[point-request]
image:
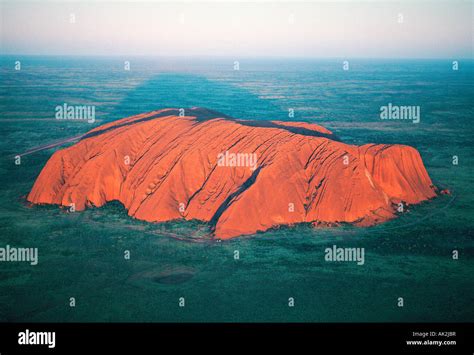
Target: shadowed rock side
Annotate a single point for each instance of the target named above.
(163, 167)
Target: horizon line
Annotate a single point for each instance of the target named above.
(234, 57)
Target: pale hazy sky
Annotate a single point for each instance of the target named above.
(430, 29)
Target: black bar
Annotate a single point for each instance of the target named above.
(317, 338)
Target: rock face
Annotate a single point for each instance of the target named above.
(239, 176)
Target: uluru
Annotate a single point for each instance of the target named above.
(239, 176)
